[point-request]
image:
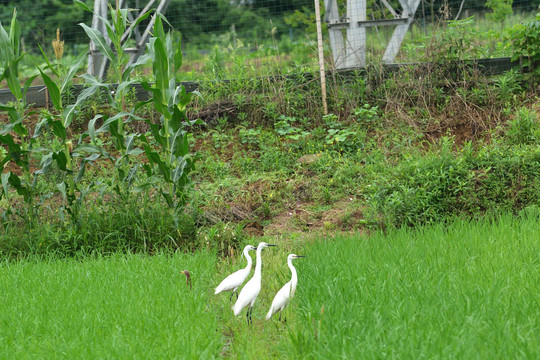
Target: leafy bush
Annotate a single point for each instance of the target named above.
(524, 128)
(525, 45)
(444, 184)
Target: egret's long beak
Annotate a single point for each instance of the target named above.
(300, 256)
(271, 245)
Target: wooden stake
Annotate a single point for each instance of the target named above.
(321, 55)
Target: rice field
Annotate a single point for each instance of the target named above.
(466, 290)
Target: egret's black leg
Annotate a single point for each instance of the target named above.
(250, 321)
(248, 315)
(230, 297)
(280, 316)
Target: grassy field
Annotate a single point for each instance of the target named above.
(122, 306)
(459, 290)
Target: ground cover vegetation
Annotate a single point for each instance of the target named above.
(402, 185)
(444, 290)
(425, 144)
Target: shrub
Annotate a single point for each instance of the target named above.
(525, 45)
(524, 128)
(443, 185)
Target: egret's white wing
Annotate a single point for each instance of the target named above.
(233, 281)
(280, 300)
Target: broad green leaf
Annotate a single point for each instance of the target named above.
(53, 89)
(179, 144)
(178, 56)
(81, 171)
(98, 39)
(6, 51)
(85, 94)
(45, 163)
(27, 84)
(177, 118)
(150, 49)
(158, 27)
(12, 112)
(67, 115)
(12, 79)
(178, 171)
(129, 142)
(72, 71)
(131, 176)
(15, 33)
(161, 66)
(143, 59)
(92, 127)
(58, 129)
(93, 81)
(113, 130)
(154, 158)
(168, 198)
(135, 152)
(13, 147)
(92, 157)
(83, 6)
(122, 87)
(61, 160)
(112, 120)
(49, 65)
(5, 183)
(62, 188)
(136, 23)
(155, 129)
(140, 104)
(88, 148)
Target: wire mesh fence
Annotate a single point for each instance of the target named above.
(280, 36)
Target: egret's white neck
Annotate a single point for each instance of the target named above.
(248, 258)
(294, 277)
(258, 264)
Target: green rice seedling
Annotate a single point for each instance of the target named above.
(123, 306)
(461, 289)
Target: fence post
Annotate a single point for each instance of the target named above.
(321, 55)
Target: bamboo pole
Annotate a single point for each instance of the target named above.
(321, 55)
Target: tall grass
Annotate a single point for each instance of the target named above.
(458, 290)
(124, 306)
(462, 290)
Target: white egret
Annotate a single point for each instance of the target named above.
(249, 293)
(285, 294)
(237, 278)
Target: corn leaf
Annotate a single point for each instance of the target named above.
(53, 89)
(98, 40)
(72, 71)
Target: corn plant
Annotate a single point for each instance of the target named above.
(16, 135)
(173, 161)
(65, 158)
(115, 52)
